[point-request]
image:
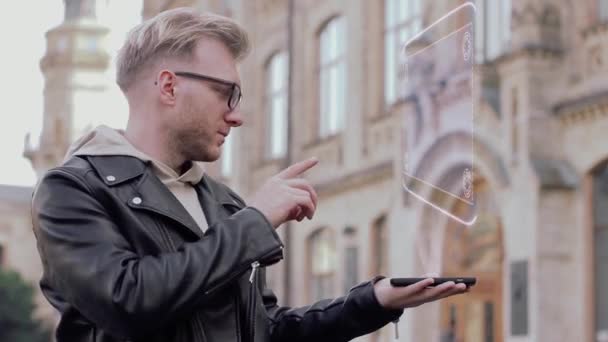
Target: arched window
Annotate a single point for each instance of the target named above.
(600, 240)
(323, 264)
(276, 105)
(332, 77)
(492, 28)
(402, 20)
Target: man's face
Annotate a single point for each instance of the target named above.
(202, 119)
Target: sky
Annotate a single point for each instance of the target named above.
(23, 25)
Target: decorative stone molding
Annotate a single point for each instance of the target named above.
(588, 108)
(536, 26)
(355, 180)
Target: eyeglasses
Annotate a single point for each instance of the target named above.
(235, 90)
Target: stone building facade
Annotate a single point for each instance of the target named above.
(539, 245)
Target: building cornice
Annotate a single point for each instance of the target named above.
(588, 107)
(532, 51)
(355, 180)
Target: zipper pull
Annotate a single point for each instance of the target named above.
(254, 269)
(396, 323)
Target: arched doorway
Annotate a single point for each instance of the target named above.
(474, 251)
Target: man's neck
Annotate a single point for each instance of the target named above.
(153, 143)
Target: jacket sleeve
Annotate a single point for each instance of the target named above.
(93, 267)
(341, 319)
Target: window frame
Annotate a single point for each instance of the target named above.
(316, 240)
(392, 31)
(271, 94)
(336, 63)
(483, 25)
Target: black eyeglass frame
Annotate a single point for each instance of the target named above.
(236, 94)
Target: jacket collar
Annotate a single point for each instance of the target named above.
(114, 170)
(148, 193)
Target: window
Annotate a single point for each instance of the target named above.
(600, 240)
(492, 29)
(379, 248)
(227, 155)
(276, 95)
(323, 264)
(602, 12)
(332, 76)
(402, 20)
(351, 259)
(379, 264)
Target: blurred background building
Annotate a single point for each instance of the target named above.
(323, 80)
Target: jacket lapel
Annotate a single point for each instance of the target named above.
(155, 197)
(147, 193)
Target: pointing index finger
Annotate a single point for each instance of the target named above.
(298, 168)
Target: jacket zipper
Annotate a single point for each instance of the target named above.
(252, 299)
(270, 256)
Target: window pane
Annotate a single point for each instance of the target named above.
(494, 38)
(506, 24)
(277, 72)
(332, 77)
(277, 106)
(278, 131)
(324, 97)
(389, 13)
(404, 13)
(380, 247)
(325, 45)
(351, 267)
(389, 70)
(227, 156)
(322, 264)
(403, 18)
(332, 117)
(603, 9)
(341, 96)
(416, 8)
(493, 28)
(479, 31)
(341, 37)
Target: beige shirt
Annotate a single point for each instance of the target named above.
(107, 141)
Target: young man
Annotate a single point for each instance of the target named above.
(138, 244)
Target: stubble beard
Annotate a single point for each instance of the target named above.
(192, 140)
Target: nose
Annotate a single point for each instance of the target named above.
(235, 117)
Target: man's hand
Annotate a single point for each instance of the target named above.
(286, 196)
(391, 297)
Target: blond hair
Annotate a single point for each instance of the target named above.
(174, 33)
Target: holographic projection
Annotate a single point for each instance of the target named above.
(438, 66)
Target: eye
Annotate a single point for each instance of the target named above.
(223, 91)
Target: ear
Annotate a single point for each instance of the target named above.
(167, 86)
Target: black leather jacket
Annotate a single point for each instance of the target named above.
(124, 261)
